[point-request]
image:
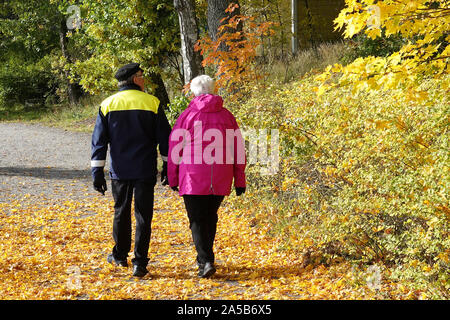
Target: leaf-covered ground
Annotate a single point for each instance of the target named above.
(56, 249)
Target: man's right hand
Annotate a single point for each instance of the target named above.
(164, 178)
(100, 183)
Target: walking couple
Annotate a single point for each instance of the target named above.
(134, 125)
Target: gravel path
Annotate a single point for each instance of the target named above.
(43, 162)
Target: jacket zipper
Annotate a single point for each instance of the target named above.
(212, 189)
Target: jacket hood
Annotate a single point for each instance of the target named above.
(207, 103)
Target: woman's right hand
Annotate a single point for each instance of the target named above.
(240, 190)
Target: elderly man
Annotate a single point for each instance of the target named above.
(133, 123)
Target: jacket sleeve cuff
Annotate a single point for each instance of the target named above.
(97, 163)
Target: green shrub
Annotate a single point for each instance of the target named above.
(24, 82)
(175, 108)
(364, 46)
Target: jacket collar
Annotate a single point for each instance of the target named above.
(130, 87)
(207, 103)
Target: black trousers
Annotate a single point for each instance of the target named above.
(202, 214)
(122, 191)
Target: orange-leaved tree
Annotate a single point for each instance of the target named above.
(234, 66)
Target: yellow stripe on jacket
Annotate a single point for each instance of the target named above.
(130, 100)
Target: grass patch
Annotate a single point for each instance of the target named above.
(80, 117)
(285, 71)
(20, 112)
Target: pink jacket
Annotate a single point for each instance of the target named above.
(206, 149)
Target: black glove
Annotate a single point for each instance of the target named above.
(239, 190)
(100, 182)
(174, 188)
(164, 178)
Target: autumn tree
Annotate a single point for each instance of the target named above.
(218, 15)
(423, 24)
(234, 65)
(33, 41)
(117, 32)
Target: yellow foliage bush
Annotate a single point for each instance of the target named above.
(365, 152)
(363, 177)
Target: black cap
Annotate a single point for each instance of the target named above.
(127, 70)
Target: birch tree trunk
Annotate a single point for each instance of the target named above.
(192, 60)
(73, 89)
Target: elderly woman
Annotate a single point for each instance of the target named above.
(206, 151)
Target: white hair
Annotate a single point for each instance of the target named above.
(202, 85)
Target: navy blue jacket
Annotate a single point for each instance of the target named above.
(133, 124)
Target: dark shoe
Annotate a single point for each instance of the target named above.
(201, 268)
(112, 260)
(139, 271)
(208, 270)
